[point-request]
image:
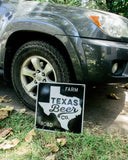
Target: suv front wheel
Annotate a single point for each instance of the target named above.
(34, 62)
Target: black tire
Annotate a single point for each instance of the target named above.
(36, 61)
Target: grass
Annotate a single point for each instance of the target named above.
(85, 146)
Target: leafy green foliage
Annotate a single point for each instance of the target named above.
(115, 6)
(118, 6)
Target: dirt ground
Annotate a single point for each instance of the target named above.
(110, 114)
(100, 110)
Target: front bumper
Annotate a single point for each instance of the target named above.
(101, 55)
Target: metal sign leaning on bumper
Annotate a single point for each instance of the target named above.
(60, 107)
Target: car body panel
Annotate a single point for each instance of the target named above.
(100, 55)
(72, 21)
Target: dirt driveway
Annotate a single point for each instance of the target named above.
(109, 114)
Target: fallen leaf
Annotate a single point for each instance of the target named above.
(53, 147)
(3, 114)
(22, 110)
(29, 136)
(51, 157)
(4, 132)
(9, 144)
(113, 96)
(24, 150)
(61, 141)
(126, 86)
(2, 139)
(8, 108)
(11, 133)
(4, 100)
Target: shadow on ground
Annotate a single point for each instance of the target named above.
(110, 114)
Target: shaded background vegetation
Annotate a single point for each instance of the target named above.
(115, 6)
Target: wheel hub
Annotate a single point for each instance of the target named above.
(40, 77)
(36, 69)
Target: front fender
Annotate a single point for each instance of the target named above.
(42, 22)
(76, 52)
(51, 26)
(62, 29)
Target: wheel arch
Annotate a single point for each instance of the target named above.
(18, 38)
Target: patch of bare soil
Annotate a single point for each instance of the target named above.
(106, 112)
